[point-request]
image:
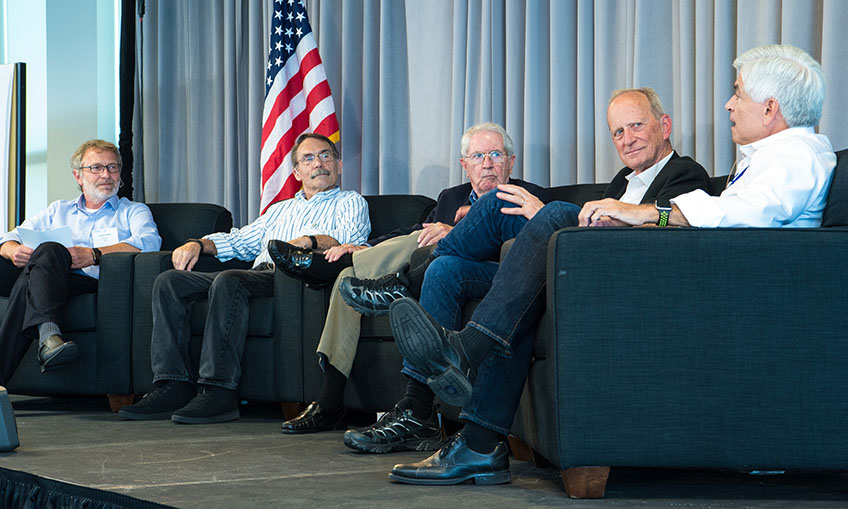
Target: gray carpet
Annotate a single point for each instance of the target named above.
(249, 463)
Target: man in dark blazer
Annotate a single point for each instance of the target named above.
(487, 159)
(640, 131)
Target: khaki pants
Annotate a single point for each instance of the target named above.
(341, 330)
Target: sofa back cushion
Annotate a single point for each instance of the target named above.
(578, 194)
(180, 221)
(836, 210)
(392, 211)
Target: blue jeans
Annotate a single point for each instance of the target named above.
(174, 294)
(511, 309)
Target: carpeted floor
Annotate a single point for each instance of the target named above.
(249, 463)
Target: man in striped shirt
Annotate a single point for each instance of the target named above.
(319, 216)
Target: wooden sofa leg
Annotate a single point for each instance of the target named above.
(585, 482)
(292, 409)
(520, 450)
(116, 401)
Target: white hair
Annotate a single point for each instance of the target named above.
(787, 74)
(489, 127)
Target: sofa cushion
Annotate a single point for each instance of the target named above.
(836, 210)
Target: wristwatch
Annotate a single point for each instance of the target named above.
(95, 255)
(664, 208)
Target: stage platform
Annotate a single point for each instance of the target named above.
(250, 463)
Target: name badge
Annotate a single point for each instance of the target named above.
(104, 237)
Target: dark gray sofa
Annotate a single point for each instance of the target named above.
(725, 350)
(276, 358)
(101, 323)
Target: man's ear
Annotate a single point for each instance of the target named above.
(665, 122)
(296, 174)
(771, 108)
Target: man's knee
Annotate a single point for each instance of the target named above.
(167, 282)
(51, 252)
(559, 213)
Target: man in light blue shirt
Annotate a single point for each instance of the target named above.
(99, 223)
(318, 217)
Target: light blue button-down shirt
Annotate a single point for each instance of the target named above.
(132, 221)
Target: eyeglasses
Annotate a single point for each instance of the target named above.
(478, 157)
(325, 157)
(97, 169)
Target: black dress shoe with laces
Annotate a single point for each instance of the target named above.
(433, 351)
(372, 297)
(306, 265)
(315, 419)
(397, 430)
(56, 352)
(455, 463)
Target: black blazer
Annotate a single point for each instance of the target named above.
(679, 176)
(449, 201)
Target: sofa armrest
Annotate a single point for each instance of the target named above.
(720, 348)
(114, 322)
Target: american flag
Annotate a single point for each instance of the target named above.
(297, 99)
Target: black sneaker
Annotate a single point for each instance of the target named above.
(165, 397)
(397, 430)
(372, 297)
(212, 404)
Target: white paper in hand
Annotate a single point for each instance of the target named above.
(32, 238)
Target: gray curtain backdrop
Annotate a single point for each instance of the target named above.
(408, 77)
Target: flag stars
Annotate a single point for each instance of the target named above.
(289, 32)
(278, 30)
(299, 32)
(278, 46)
(278, 14)
(288, 48)
(278, 62)
(269, 81)
(290, 16)
(300, 16)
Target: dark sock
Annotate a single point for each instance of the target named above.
(327, 271)
(332, 388)
(477, 345)
(418, 398)
(479, 439)
(413, 277)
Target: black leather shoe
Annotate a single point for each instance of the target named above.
(372, 297)
(455, 463)
(397, 430)
(306, 265)
(166, 397)
(56, 352)
(315, 419)
(433, 351)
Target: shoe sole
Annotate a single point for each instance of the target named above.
(421, 445)
(229, 416)
(63, 355)
(500, 477)
(131, 416)
(419, 342)
(345, 291)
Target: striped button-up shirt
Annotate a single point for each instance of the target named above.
(342, 215)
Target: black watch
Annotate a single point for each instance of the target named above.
(96, 254)
(663, 206)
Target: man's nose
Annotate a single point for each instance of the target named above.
(628, 137)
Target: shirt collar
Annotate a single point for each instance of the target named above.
(300, 195)
(112, 202)
(647, 176)
(749, 149)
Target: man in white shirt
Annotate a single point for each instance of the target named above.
(782, 181)
(785, 171)
(319, 216)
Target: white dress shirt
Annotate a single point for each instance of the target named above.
(781, 181)
(638, 184)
